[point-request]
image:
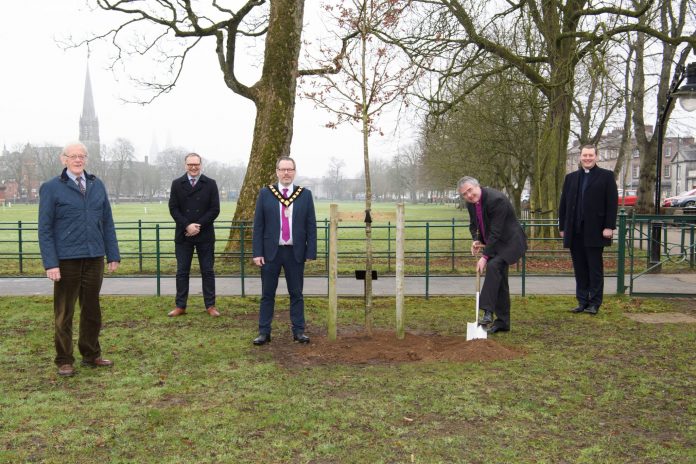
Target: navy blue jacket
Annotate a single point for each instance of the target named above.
(267, 226)
(73, 226)
(199, 204)
(600, 205)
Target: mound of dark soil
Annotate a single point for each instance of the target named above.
(355, 347)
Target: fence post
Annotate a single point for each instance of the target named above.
(427, 260)
(691, 247)
(326, 253)
(621, 258)
(140, 245)
(21, 257)
(157, 256)
(524, 264)
(453, 220)
(389, 245)
(333, 272)
(241, 257)
(400, 271)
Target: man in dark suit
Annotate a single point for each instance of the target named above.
(285, 236)
(194, 203)
(586, 220)
(499, 237)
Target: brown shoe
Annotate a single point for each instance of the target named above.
(177, 312)
(213, 311)
(66, 370)
(99, 362)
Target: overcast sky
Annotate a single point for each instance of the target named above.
(42, 85)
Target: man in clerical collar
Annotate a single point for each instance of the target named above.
(586, 220)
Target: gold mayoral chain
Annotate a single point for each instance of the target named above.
(286, 201)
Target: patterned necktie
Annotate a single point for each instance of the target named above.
(81, 186)
(285, 223)
(193, 182)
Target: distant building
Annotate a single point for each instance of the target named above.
(681, 170)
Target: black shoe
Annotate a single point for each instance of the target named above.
(592, 310)
(577, 310)
(487, 318)
(300, 338)
(262, 339)
(497, 328)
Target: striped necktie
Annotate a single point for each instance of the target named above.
(81, 186)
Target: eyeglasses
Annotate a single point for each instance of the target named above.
(285, 170)
(193, 165)
(78, 157)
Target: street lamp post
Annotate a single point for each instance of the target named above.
(687, 97)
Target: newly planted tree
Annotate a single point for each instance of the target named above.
(361, 76)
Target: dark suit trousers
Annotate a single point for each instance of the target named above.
(495, 294)
(80, 279)
(589, 272)
(206, 261)
(294, 278)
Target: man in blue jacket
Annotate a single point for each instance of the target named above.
(76, 231)
(285, 236)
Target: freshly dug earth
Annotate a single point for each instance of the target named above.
(356, 347)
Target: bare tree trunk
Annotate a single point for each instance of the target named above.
(646, 146)
(550, 167)
(368, 189)
(274, 97)
(625, 148)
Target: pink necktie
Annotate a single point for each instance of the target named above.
(193, 182)
(285, 224)
(479, 217)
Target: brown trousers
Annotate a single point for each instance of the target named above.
(79, 279)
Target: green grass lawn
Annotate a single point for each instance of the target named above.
(138, 232)
(437, 242)
(590, 390)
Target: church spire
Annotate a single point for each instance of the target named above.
(88, 100)
(89, 123)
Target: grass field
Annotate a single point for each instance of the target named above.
(444, 226)
(437, 242)
(601, 389)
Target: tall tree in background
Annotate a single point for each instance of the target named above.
(408, 164)
(169, 29)
(367, 76)
(598, 93)
(465, 33)
(121, 155)
(491, 135)
(671, 19)
(333, 179)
